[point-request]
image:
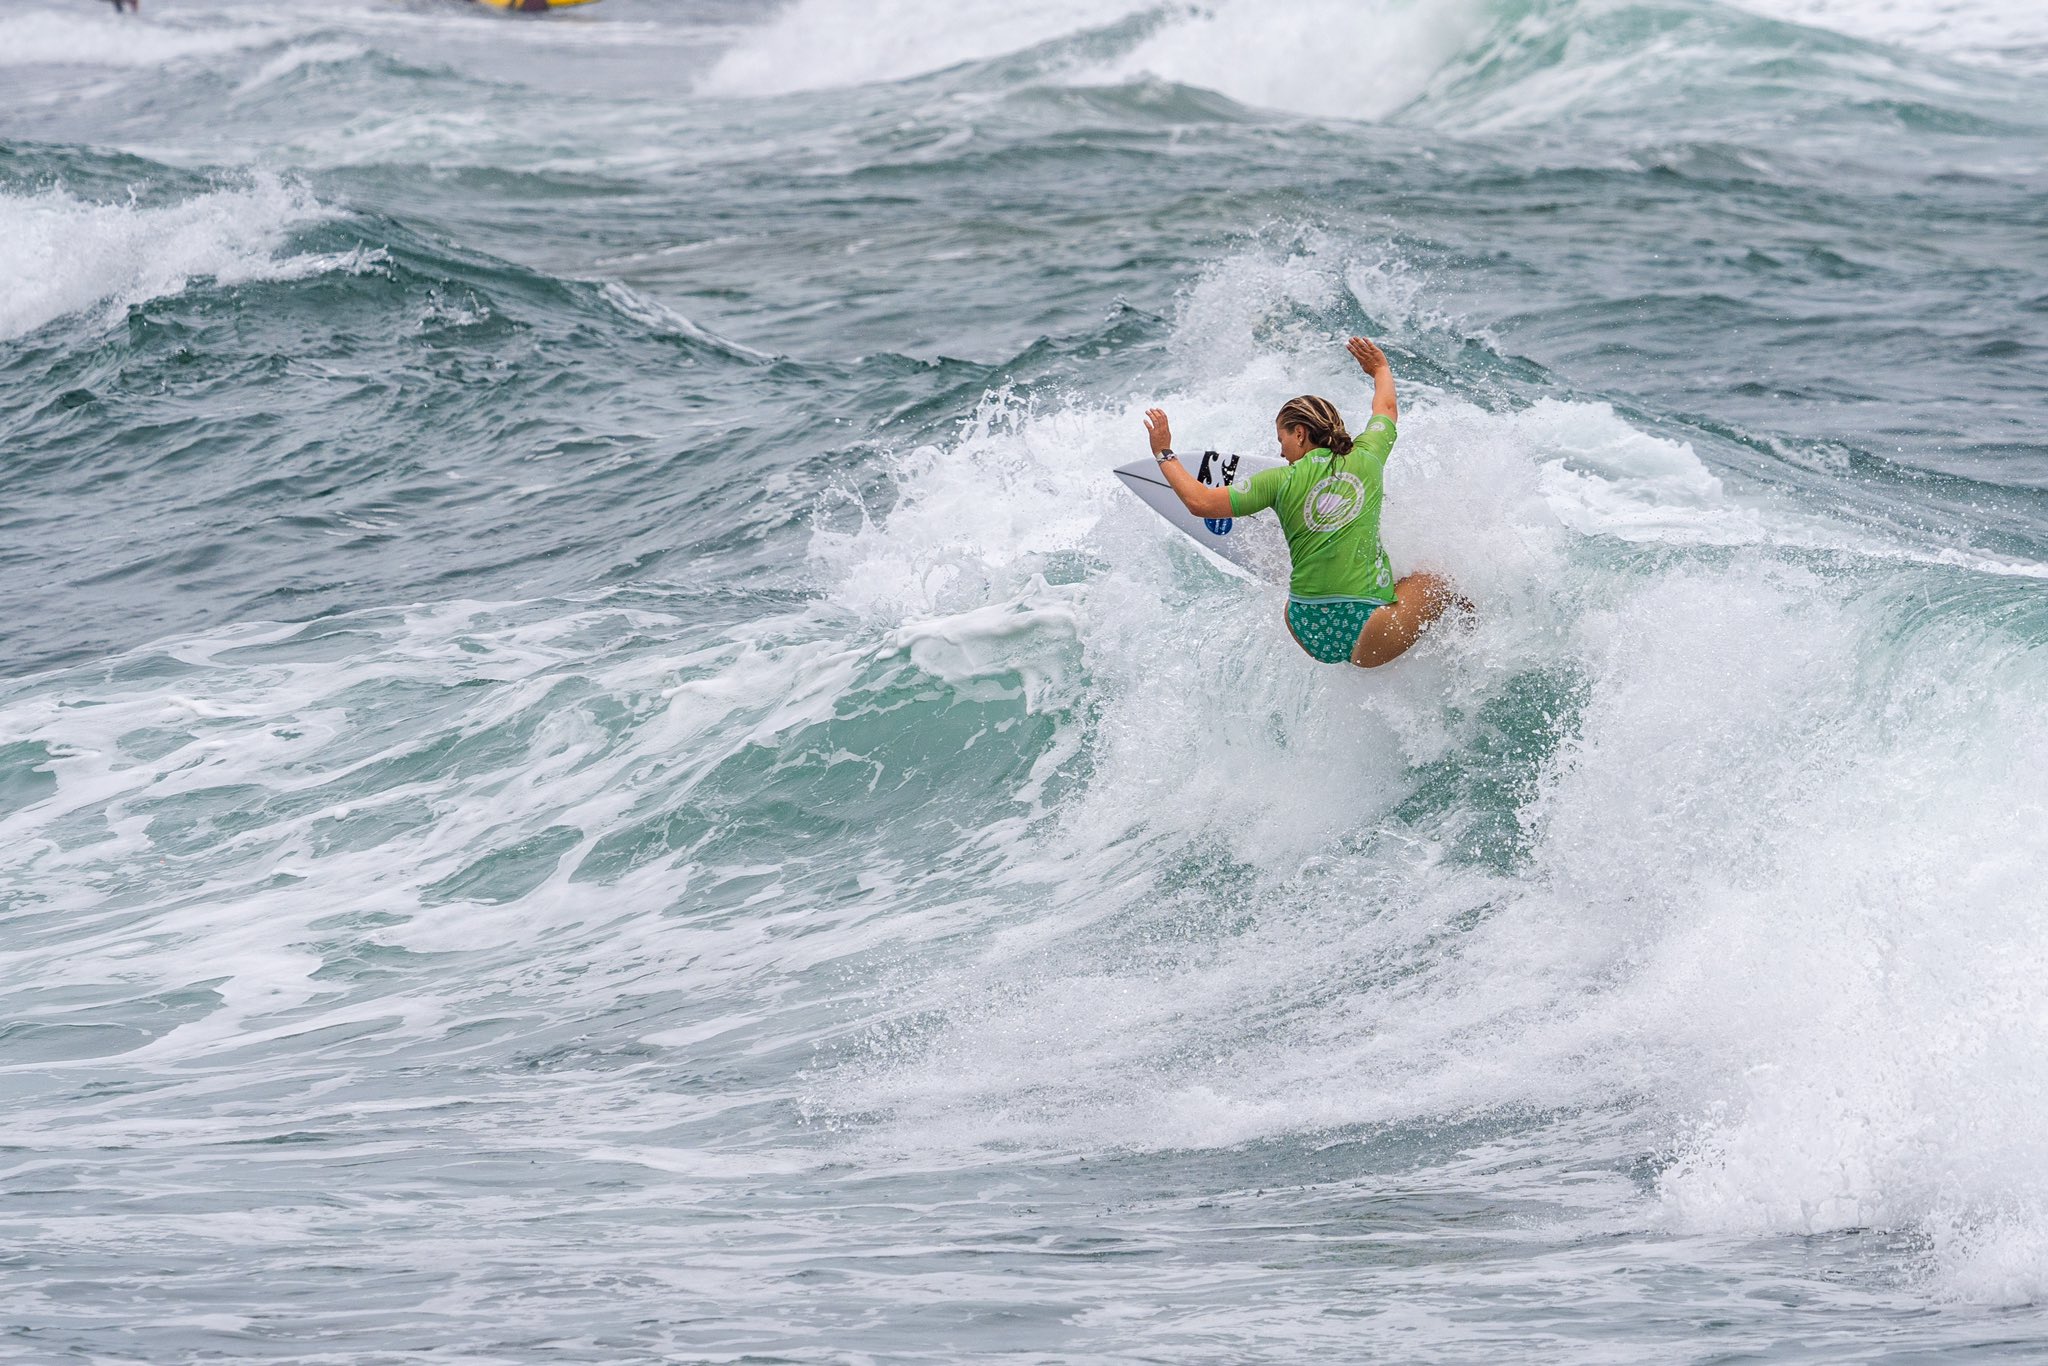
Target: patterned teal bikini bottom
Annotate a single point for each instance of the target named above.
(1328, 630)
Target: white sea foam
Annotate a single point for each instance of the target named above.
(1775, 891)
(1772, 897)
(1368, 58)
(1333, 58)
(61, 255)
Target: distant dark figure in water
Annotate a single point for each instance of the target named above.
(132, 6)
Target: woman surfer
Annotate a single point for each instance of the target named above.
(1342, 601)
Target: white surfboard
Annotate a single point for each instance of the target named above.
(1249, 544)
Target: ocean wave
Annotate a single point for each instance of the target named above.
(466, 714)
(61, 255)
(663, 319)
(2008, 34)
(1474, 65)
(55, 38)
(1333, 57)
(1648, 835)
(1663, 70)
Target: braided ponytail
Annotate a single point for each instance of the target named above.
(1320, 416)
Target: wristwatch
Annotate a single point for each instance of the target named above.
(1163, 456)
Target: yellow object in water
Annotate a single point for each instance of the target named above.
(533, 6)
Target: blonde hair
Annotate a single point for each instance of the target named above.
(1325, 425)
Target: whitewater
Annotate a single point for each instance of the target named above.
(594, 766)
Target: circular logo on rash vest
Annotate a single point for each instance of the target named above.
(1333, 502)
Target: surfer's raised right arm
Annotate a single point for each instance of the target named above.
(1374, 362)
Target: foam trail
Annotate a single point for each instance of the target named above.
(824, 44)
(299, 58)
(659, 316)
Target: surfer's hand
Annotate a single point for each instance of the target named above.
(1370, 358)
(1156, 428)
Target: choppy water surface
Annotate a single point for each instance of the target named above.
(594, 768)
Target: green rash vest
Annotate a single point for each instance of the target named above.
(1329, 507)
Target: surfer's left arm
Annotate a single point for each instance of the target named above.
(1194, 495)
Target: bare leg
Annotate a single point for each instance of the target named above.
(1419, 600)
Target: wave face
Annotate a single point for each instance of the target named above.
(594, 767)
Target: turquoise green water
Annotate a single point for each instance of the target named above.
(594, 766)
